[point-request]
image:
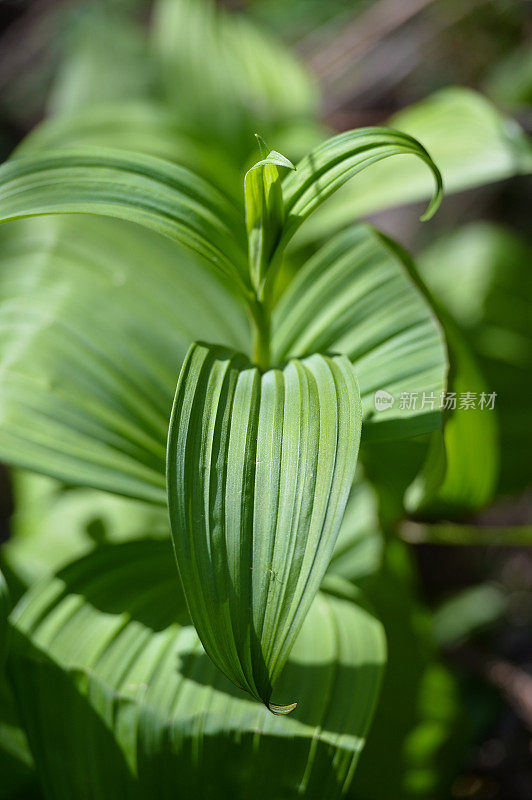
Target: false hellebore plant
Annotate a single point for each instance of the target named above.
(262, 448)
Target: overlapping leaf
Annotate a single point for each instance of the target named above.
(4, 613)
(96, 316)
(259, 468)
(356, 296)
(139, 710)
(151, 192)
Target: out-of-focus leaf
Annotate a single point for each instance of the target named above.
(481, 272)
(225, 75)
(96, 317)
(418, 736)
(151, 192)
(259, 468)
(105, 58)
(139, 709)
(470, 141)
(509, 83)
(331, 164)
(140, 127)
(16, 762)
(359, 546)
(52, 526)
(460, 472)
(356, 296)
(264, 210)
(4, 613)
(466, 612)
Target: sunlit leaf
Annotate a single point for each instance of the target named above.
(151, 192)
(259, 468)
(357, 296)
(139, 709)
(95, 318)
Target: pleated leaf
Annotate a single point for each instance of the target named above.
(134, 708)
(357, 296)
(96, 316)
(264, 210)
(259, 468)
(168, 199)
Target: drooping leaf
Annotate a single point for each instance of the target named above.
(96, 317)
(334, 162)
(264, 210)
(139, 709)
(259, 468)
(468, 138)
(356, 296)
(151, 192)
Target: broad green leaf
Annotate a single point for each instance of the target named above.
(358, 296)
(470, 141)
(141, 127)
(259, 468)
(140, 711)
(96, 316)
(151, 192)
(331, 164)
(16, 762)
(264, 210)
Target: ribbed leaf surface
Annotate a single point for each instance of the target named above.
(259, 468)
(108, 644)
(148, 191)
(96, 316)
(356, 296)
(326, 168)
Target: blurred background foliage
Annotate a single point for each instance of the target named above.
(449, 575)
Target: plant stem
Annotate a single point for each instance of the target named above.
(261, 325)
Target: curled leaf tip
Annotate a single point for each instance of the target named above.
(281, 711)
(437, 196)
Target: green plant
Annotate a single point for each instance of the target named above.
(261, 452)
